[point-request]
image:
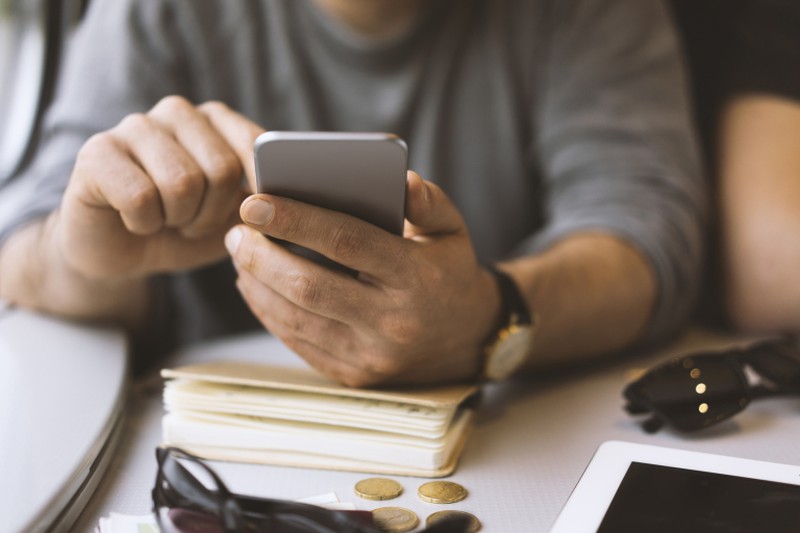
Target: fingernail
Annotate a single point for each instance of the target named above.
(257, 212)
(232, 240)
(426, 192)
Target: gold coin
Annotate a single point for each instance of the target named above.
(395, 519)
(474, 523)
(442, 492)
(378, 488)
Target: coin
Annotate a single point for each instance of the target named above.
(474, 523)
(442, 492)
(378, 488)
(395, 519)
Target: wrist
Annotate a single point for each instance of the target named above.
(21, 265)
(34, 273)
(507, 348)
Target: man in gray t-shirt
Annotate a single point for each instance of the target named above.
(552, 135)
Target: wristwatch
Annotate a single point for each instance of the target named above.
(508, 347)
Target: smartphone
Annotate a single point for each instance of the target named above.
(361, 174)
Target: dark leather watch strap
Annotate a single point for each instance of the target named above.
(512, 302)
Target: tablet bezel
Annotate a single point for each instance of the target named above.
(589, 501)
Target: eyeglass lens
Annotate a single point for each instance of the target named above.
(190, 498)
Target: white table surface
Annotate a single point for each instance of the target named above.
(532, 440)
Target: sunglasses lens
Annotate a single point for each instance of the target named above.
(176, 520)
(691, 393)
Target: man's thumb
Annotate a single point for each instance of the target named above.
(428, 209)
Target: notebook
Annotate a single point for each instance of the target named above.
(263, 413)
(62, 392)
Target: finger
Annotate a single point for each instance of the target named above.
(348, 374)
(344, 239)
(273, 311)
(310, 286)
(170, 251)
(293, 319)
(239, 132)
(428, 209)
(220, 165)
(180, 180)
(107, 176)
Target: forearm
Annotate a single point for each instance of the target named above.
(34, 274)
(760, 195)
(628, 167)
(591, 293)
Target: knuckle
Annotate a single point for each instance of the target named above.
(142, 198)
(172, 105)
(225, 169)
(96, 145)
(134, 123)
(214, 106)
(425, 275)
(247, 256)
(305, 290)
(401, 330)
(294, 322)
(295, 228)
(346, 241)
(185, 184)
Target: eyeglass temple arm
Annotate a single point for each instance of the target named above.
(187, 484)
(652, 424)
(778, 362)
(760, 391)
(635, 408)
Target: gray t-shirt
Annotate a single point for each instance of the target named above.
(540, 118)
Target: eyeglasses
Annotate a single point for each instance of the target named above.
(700, 390)
(189, 497)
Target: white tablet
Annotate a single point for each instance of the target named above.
(637, 487)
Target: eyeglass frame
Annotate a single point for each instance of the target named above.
(231, 507)
(236, 511)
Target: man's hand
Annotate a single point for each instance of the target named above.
(418, 312)
(154, 194)
(157, 192)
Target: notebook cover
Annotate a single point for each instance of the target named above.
(307, 380)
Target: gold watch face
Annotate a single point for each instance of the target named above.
(509, 352)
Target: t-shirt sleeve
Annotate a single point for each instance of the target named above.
(123, 58)
(617, 147)
(766, 49)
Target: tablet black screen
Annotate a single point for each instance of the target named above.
(655, 498)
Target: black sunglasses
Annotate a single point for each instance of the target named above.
(699, 390)
(189, 497)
